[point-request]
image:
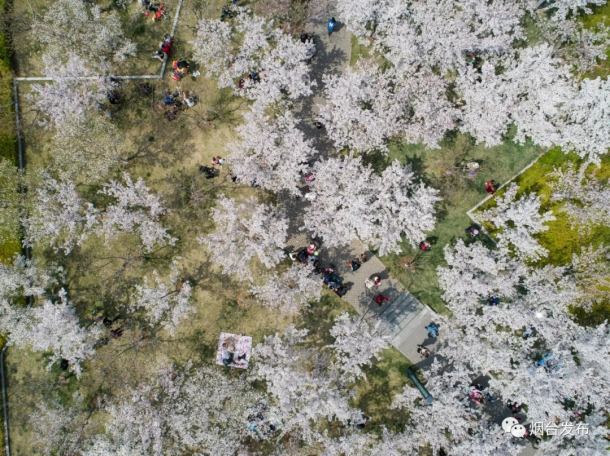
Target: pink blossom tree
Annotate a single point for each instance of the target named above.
(179, 410)
(164, 304)
(72, 94)
(58, 217)
(84, 29)
(290, 292)
(244, 231)
(134, 210)
(583, 195)
(519, 220)
(302, 395)
(356, 344)
(272, 152)
(54, 327)
(363, 109)
(256, 46)
(351, 201)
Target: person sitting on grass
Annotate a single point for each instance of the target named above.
(425, 246)
(229, 357)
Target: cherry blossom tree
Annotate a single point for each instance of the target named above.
(519, 221)
(431, 113)
(363, 109)
(58, 216)
(448, 420)
(583, 195)
(356, 344)
(530, 94)
(286, 73)
(181, 410)
(22, 277)
(243, 231)
(362, 16)
(260, 47)
(291, 292)
(210, 47)
(403, 207)
(474, 271)
(86, 150)
(351, 201)
(303, 395)
(54, 327)
(85, 30)
(59, 428)
(591, 274)
(134, 210)
(588, 122)
(72, 94)
(562, 8)
(62, 219)
(583, 47)
(487, 105)
(440, 33)
(164, 304)
(272, 152)
(542, 84)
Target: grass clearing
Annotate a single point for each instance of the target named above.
(358, 51)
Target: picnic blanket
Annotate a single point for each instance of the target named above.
(239, 346)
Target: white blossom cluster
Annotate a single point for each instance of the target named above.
(61, 218)
(352, 201)
(244, 231)
(278, 59)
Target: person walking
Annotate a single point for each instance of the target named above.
(432, 329)
(422, 350)
(331, 25)
(371, 282)
(380, 299)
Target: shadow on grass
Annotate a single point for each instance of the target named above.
(321, 316)
(384, 379)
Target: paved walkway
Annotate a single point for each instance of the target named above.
(403, 318)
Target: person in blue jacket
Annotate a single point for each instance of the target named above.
(331, 25)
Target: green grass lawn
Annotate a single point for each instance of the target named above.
(460, 194)
(358, 51)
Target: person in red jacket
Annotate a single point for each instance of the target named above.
(491, 187)
(381, 299)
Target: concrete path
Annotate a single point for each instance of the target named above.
(403, 318)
